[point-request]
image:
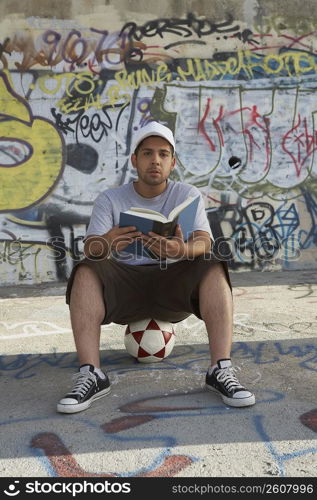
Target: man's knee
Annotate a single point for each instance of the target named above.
(86, 281)
(87, 285)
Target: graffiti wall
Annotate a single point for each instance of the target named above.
(238, 87)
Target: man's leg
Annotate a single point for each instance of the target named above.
(87, 311)
(216, 309)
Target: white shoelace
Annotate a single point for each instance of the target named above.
(83, 383)
(227, 376)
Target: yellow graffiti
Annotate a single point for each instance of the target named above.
(247, 63)
(80, 103)
(290, 63)
(28, 182)
(67, 82)
(129, 81)
(71, 84)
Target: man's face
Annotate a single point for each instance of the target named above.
(154, 160)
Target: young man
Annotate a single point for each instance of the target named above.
(111, 285)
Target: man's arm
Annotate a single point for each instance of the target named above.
(198, 243)
(117, 239)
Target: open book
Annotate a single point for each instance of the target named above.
(146, 220)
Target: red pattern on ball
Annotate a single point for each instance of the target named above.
(149, 340)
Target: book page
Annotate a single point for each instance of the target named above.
(146, 213)
(179, 208)
(154, 215)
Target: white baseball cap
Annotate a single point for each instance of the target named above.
(153, 128)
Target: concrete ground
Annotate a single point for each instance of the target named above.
(158, 419)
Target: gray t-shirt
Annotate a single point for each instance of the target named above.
(108, 205)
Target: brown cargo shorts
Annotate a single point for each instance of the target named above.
(133, 292)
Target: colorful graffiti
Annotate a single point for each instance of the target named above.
(71, 100)
(34, 151)
(150, 425)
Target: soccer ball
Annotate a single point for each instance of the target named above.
(149, 340)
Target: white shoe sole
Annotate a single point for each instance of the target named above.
(62, 408)
(237, 403)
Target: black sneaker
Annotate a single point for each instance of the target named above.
(223, 381)
(88, 387)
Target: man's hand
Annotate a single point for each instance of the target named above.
(174, 248)
(199, 243)
(117, 239)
